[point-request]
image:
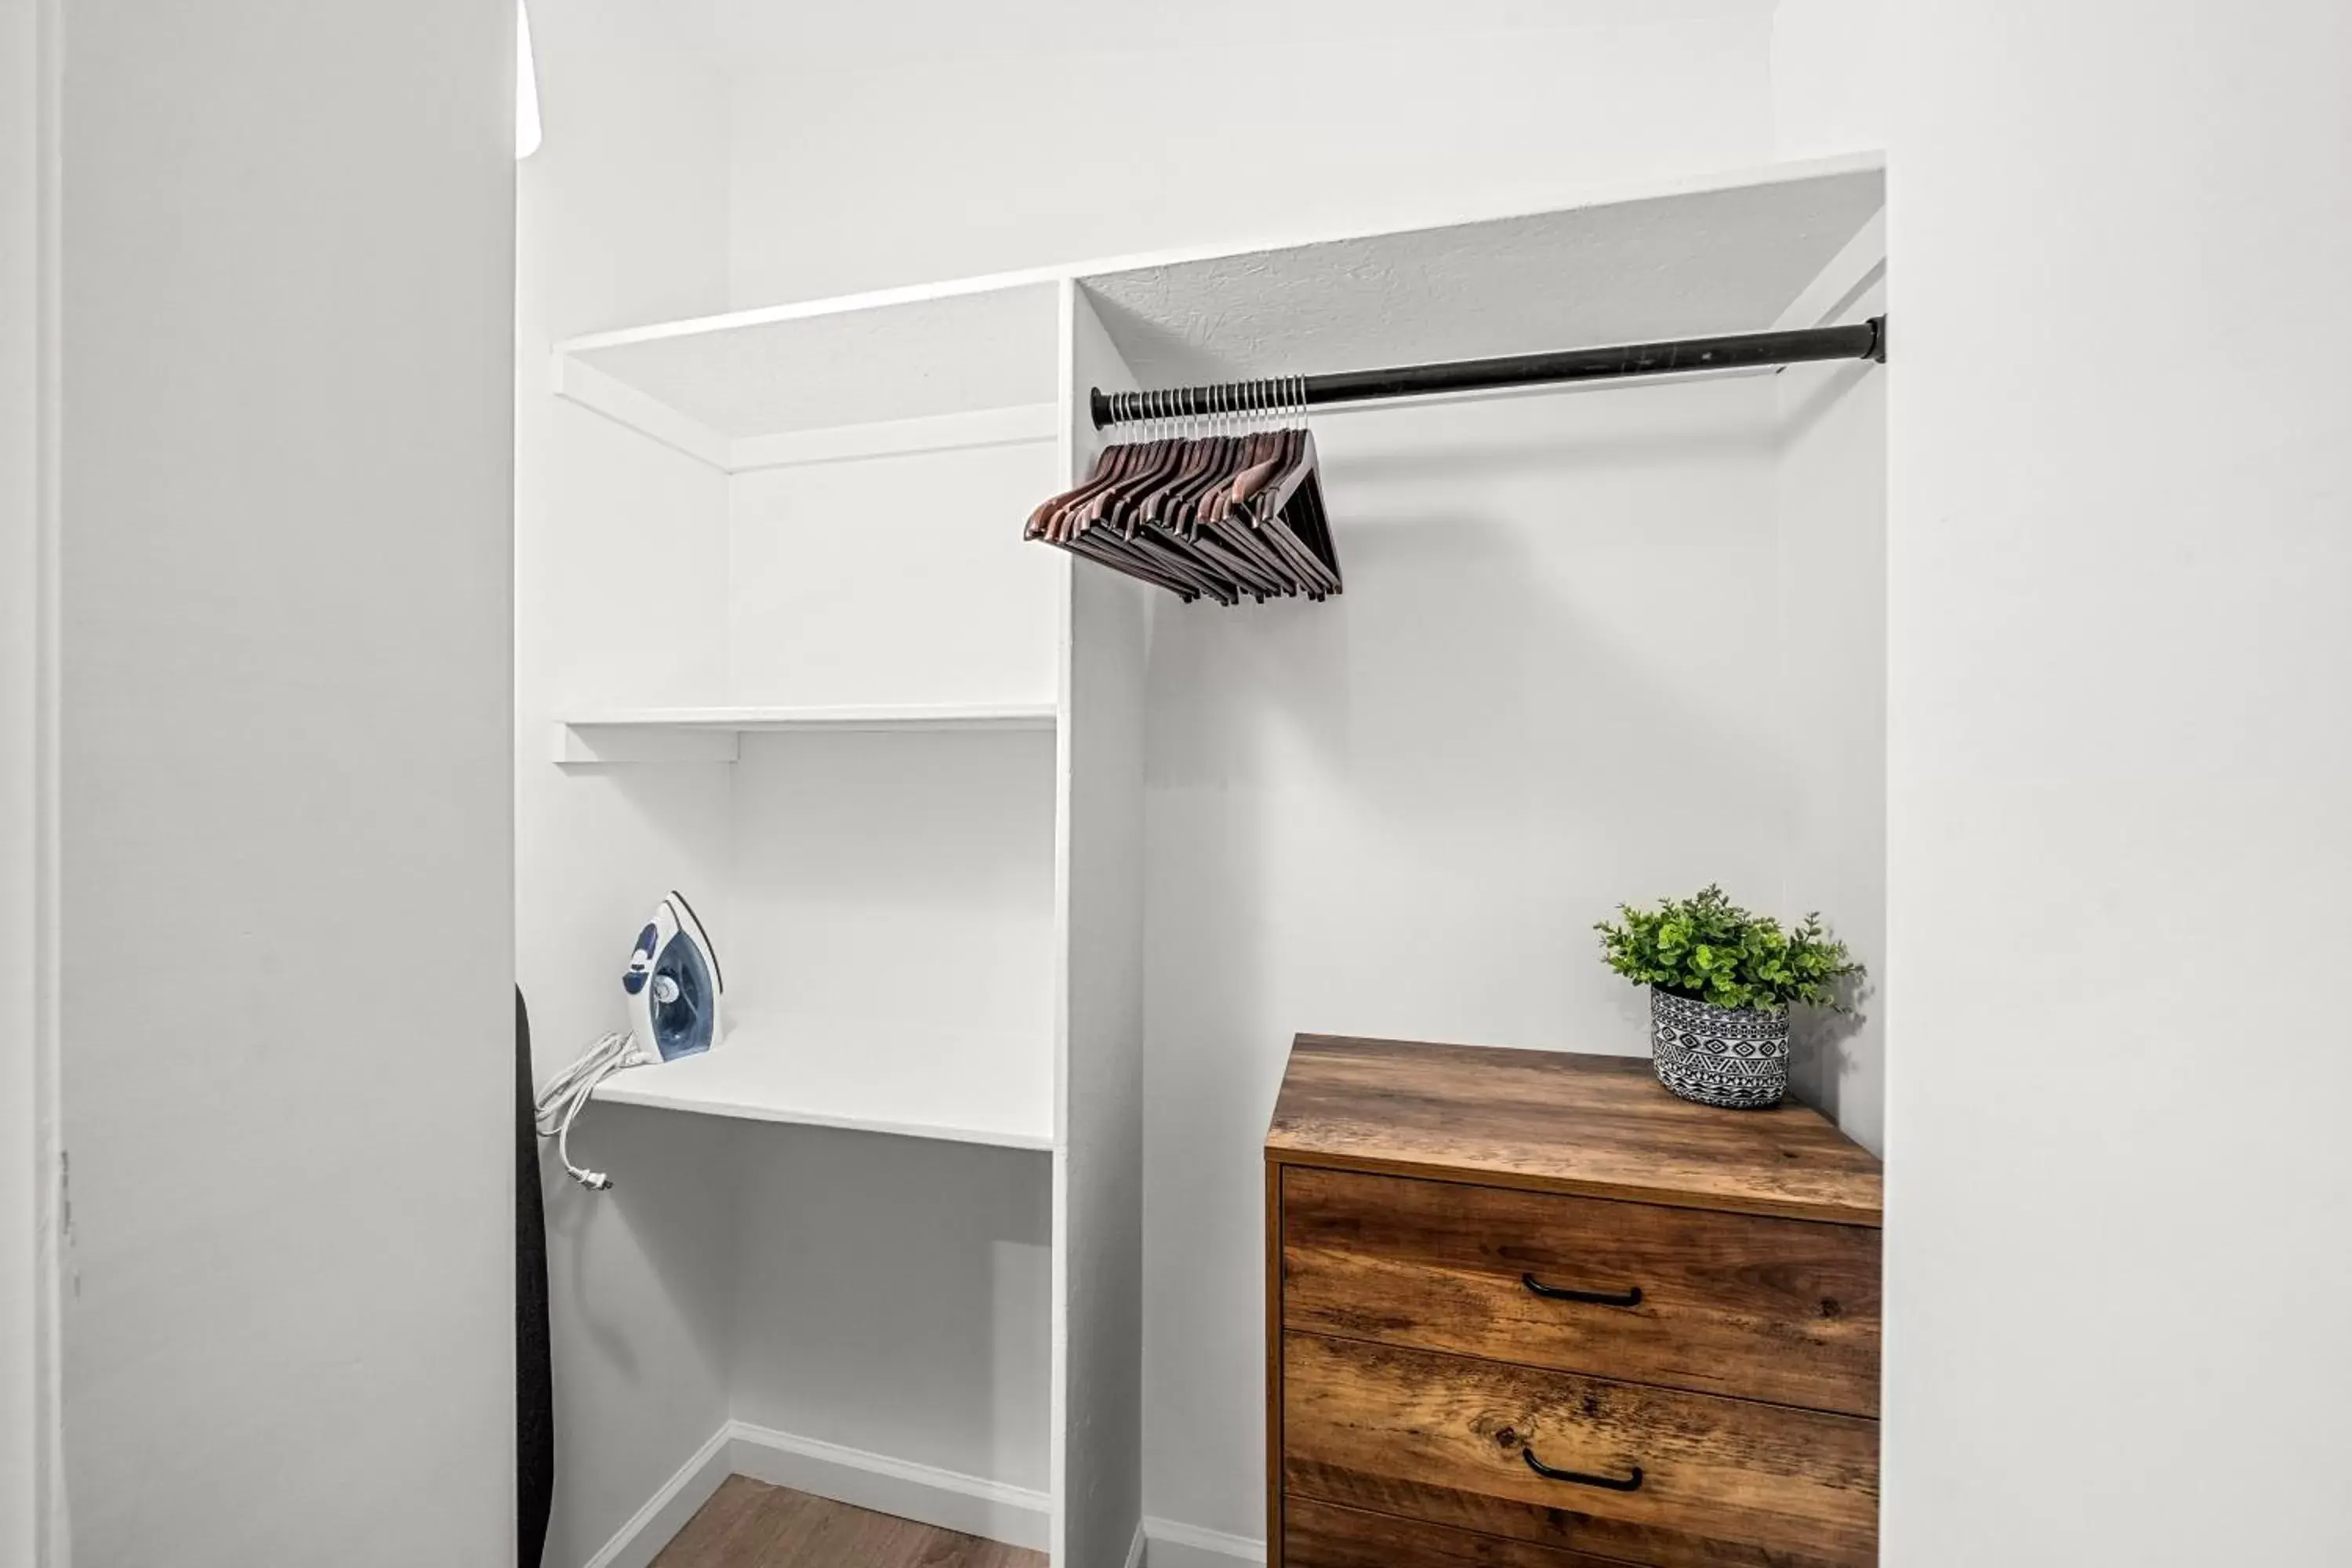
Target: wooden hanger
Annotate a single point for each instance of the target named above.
(1127, 508)
(1216, 512)
(1044, 523)
(1062, 520)
(1270, 508)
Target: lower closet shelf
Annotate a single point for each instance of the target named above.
(959, 1089)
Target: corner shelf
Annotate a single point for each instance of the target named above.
(714, 734)
(906, 1084)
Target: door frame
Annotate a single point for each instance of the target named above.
(32, 1512)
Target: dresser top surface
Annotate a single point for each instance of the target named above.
(1552, 1121)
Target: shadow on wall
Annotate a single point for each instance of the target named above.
(1820, 1045)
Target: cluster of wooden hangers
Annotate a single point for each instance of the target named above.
(1217, 504)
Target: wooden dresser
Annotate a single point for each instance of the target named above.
(1528, 1310)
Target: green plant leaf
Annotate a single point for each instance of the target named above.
(1708, 948)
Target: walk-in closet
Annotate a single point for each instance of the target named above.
(1261, 784)
(788, 635)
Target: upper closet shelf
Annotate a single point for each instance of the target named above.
(951, 366)
(977, 361)
(1690, 260)
(713, 734)
(979, 1091)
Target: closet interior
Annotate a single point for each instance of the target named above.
(883, 1242)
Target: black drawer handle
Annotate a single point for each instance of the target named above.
(1590, 1297)
(1632, 1483)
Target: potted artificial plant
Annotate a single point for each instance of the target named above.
(1721, 981)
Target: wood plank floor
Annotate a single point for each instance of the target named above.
(750, 1524)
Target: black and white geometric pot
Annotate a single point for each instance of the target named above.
(1735, 1057)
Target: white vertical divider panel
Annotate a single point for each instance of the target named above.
(1097, 1397)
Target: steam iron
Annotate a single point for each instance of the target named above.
(674, 983)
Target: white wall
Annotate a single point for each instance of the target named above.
(25, 95)
(619, 546)
(1832, 506)
(964, 619)
(896, 891)
(1400, 811)
(938, 141)
(1829, 76)
(2121, 470)
(894, 1297)
(286, 847)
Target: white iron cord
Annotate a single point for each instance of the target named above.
(566, 1095)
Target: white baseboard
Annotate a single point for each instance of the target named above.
(637, 1542)
(1135, 1547)
(993, 1511)
(950, 1499)
(1175, 1545)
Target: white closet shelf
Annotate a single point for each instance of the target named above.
(907, 1083)
(975, 360)
(966, 364)
(713, 734)
(1675, 259)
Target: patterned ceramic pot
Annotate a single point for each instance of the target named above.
(1732, 1056)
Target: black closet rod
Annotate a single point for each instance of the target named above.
(1866, 340)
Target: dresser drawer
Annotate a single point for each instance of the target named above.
(1318, 1535)
(1449, 1440)
(1780, 1309)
